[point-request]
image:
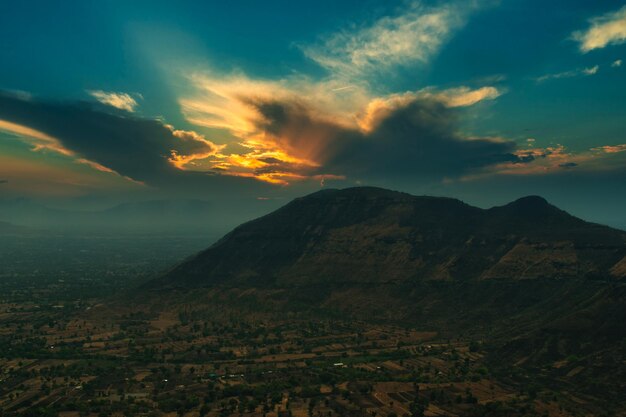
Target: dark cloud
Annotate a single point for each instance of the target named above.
(418, 139)
(568, 165)
(134, 147)
(4, 181)
(296, 130)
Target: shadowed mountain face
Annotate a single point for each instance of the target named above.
(369, 236)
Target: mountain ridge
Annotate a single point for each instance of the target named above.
(380, 235)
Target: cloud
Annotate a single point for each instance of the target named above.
(141, 149)
(122, 101)
(4, 181)
(413, 36)
(38, 175)
(454, 97)
(297, 129)
(616, 63)
(412, 137)
(608, 29)
(416, 139)
(39, 139)
(611, 148)
(223, 102)
(569, 74)
(320, 114)
(554, 159)
(464, 96)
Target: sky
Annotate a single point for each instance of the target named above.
(483, 100)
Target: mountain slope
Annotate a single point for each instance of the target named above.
(370, 236)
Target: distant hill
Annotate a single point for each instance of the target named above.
(11, 229)
(364, 236)
(158, 216)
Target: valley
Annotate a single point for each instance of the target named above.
(186, 363)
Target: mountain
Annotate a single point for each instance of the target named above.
(543, 291)
(371, 236)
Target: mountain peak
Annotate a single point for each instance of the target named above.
(361, 192)
(530, 201)
(530, 206)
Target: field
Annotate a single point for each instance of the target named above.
(71, 361)
(70, 347)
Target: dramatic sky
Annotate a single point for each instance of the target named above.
(485, 100)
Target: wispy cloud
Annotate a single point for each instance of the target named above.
(555, 159)
(39, 140)
(122, 101)
(414, 35)
(608, 29)
(454, 97)
(616, 63)
(465, 96)
(569, 74)
(591, 70)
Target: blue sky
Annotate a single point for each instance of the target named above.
(484, 100)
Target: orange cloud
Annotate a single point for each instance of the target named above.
(38, 176)
(200, 148)
(300, 147)
(611, 148)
